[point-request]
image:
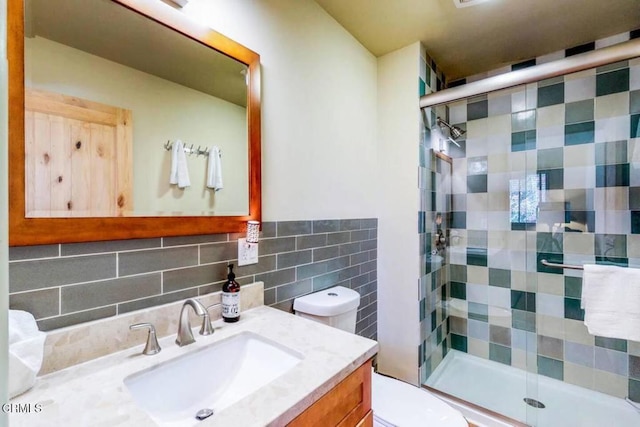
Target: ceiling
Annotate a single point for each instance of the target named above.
(470, 40)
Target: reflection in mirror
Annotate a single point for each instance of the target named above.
(108, 95)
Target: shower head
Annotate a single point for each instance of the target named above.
(454, 131)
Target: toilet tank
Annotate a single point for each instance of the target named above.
(335, 307)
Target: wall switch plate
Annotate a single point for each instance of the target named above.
(247, 252)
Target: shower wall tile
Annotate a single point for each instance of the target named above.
(579, 133)
(578, 148)
(550, 95)
(69, 284)
(579, 354)
(612, 82)
(551, 368)
(611, 361)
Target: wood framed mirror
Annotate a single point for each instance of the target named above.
(26, 228)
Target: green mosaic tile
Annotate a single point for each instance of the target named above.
(612, 82)
(524, 301)
(477, 110)
(573, 287)
(577, 50)
(612, 175)
(499, 277)
(522, 141)
(611, 153)
(477, 256)
(477, 184)
(458, 290)
(499, 353)
(581, 111)
(634, 390)
(634, 198)
(635, 222)
(634, 367)
(459, 342)
(634, 102)
(458, 272)
(634, 132)
(572, 309)
(550, 95)
(551, 158)
(579, 133)
(523, 320)
(550, 368)
(612, 343)
(422, 87)
(612, 67)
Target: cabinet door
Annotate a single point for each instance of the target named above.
(77, 157)
(346, 405)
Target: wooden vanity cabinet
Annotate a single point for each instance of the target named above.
(346, 405)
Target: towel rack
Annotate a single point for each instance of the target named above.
(190, 150)
(569, 266)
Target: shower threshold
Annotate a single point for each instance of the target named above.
(503, 389)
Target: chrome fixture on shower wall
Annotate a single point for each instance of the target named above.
(454, 131)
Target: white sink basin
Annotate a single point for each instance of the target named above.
(213, 377)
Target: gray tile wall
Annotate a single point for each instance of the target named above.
(66, 284)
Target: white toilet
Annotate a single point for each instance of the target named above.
(394, 402)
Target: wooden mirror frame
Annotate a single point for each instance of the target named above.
(37, 231)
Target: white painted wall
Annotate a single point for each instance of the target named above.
(4, 214)
(318, 107)
(162, 110)
(398, 260)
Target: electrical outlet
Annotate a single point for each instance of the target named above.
(247, 252)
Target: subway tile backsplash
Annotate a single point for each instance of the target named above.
(66, 284)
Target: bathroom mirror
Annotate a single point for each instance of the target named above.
(101, 91)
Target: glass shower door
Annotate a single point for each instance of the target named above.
(489, 300)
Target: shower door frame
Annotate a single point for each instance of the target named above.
(608, 55)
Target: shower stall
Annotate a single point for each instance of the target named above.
(528, 176)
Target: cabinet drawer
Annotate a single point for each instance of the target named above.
(345, 405)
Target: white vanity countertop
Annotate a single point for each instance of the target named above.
(93, 393)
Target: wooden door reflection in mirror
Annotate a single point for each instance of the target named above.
(174, 80)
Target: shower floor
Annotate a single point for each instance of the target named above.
(502, 388)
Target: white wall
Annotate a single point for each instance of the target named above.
(398, 260)
(162, 110)
(318, 107)
(4, 214)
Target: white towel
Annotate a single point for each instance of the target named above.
(611, 301)
(179, 169)
(214, 169)
(26, 351)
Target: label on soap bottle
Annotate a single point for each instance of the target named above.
(231, 305)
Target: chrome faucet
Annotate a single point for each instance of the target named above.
(152, 346)
(185, 336)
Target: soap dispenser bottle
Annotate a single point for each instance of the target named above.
(231, 298)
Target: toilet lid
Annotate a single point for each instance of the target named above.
(404, 405)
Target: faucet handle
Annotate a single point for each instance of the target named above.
(152, 346)
(206, 328)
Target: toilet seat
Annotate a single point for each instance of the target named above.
(399, 404)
